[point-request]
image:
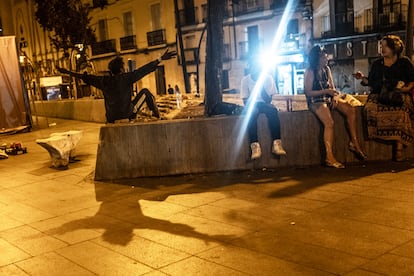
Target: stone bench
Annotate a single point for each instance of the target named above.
(216, 144)
(61, 146)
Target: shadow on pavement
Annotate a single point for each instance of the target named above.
(120, 212)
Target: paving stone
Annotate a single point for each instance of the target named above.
(102, 261)
(312, 256)
(145, 251)
(10, 253)
(254, 263)
(52, 264)
(197, 266)
(31, 241)
(12, 270)
(390, 264)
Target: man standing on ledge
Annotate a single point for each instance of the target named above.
(118, 88)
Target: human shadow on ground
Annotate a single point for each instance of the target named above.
(121, 213)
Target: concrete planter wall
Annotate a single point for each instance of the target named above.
(216, 144)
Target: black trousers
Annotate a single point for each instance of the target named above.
(144, 96)
(272, 118)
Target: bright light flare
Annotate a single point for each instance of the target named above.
(268, 62)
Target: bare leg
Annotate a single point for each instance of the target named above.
(349, 112)
(399, 152)
(324, 115)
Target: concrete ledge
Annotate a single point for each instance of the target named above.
(215, 144)
(89, 110)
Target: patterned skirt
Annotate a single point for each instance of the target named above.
(390, 123)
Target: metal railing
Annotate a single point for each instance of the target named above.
(155, 38)
(104, 47)
(248, 6)
(128, 42)
(371, 20)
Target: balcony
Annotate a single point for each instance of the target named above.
(188, 17)
(281, 4)
(391, 20)
(128, 43)
(373, 20)
(104, 47)
(248, 6)
(156, 38)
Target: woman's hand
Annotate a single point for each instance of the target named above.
(332, 92)
(358, 75)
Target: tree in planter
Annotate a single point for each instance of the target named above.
(214, 104)
(68, 20)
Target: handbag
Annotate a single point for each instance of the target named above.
(390, 97)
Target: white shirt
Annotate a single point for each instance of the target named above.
(248, 84)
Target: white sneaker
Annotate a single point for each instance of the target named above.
(256, 150)
(278, 148)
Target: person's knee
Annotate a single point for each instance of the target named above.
(145, 91)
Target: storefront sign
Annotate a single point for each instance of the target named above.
(354, 49)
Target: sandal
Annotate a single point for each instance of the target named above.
(336, 164)
(399, 156)
(358, 153)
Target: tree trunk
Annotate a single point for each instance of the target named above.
(214, 58)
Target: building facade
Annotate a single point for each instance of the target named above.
(350, 30)
(138, 30)
(278, 33)
(275, 32)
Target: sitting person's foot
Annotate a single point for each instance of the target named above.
(398, 150)
(277, 147)
(399, 155)
(256, 151)
(334, 164)
(358, 152)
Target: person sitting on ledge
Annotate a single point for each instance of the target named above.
(390, 118)
(118, 88)
(258, 97)
(322, 97)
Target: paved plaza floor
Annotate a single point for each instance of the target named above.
(292, 221)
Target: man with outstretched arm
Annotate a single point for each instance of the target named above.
(118, 88)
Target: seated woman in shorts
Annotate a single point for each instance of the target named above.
(322, 97)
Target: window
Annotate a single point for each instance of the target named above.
(128, 24)
(251, 4)
(344, 17)
(103, 29)
(253, 40)
(293, 26)
(156, 16)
